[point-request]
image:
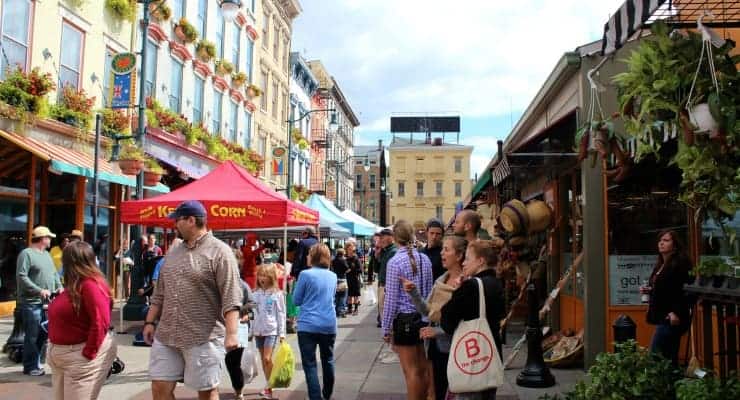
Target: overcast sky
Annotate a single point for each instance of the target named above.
(482, 59)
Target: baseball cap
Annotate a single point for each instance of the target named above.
(42, 231)
(189, 208)
(386, 232)
(435, 223)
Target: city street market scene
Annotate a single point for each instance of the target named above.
(370, 200)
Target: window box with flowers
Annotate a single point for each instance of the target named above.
(253, 91)
(115, 122)
(238, 79)
(152, 172)
(131, 159)
(74, 108)
(223, 67)
(122, 9)
(205, 50)
(22, 95)
(160, 11)
(185, 31)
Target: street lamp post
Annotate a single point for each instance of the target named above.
(332, 127)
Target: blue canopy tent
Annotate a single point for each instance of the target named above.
(354, 217)
(327, 210)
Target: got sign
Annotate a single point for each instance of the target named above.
(473, 353)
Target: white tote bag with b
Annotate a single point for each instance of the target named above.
(474, 363)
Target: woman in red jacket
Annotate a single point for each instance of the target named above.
(80, 349)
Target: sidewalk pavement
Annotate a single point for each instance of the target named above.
(365, 370)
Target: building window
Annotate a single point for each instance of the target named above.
(401, 189)
(107, 75)
(236, 44)
(284, 109)
(286, 54)
(247, 130)
(262, 146)
(220, 28)
(71, 58)
(234, 121)
(175, 85)
(265, 30)
(178, 11)
(202, 17)
(276, 41)
(250, 56)
(458, 165)
(200, 85)
(218, 99)
(263, 99)
(372, 182)
(419, 189)
(458, 189)
(358, 182)
(151, 69)
(438, 212)
(438, 188)
(250, 5)
(274, 98)
(16, 25)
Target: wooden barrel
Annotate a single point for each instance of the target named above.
(514, 217)
(540, 216)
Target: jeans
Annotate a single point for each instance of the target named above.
(667, 340)
(340, 302)
(35, 338)
(307, 343)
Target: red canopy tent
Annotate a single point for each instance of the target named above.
(234, 199)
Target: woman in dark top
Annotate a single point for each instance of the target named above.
(339, 266)
(480, 259)
(668, 308)
(353, 277)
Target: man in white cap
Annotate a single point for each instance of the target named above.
(37, 279)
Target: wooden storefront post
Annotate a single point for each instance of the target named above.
(32, 199)
(80, 204)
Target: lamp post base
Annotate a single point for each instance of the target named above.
(535, 374)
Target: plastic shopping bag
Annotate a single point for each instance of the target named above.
(250, 362)
(243, 334)
(291, 309)
(369, 298)
(283, 366)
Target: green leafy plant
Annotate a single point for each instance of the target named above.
(631, 373)
(74, 108)
(708, 388)
(22, 94)
(223, 67)
(238, 78)
(130, 151)
(205, 50)
(115, 122)
(160, 11)
(122, 9)
(186, 31)
(712, 266)
(253, 90)
(151, 165)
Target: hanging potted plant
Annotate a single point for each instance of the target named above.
(205, 50)
(122, 9)
(253, 91)
(152, 172)
(185, 31)
(131, 159)
(223, 67)
(160, 11)
(238, 79)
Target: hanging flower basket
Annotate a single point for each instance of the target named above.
(238, 79)
(130, 167)
(253, 91)
(151, 178)
(205, 50)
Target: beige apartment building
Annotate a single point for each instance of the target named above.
(271, 74)
(427, 179)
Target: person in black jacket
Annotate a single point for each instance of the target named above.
(339, 266)
(480, 259)
(433, 249)
(668, 308)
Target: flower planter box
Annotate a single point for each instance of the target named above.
(180, 34)
(251, 93)
(151, 178)
(130, 167)
(203, 55)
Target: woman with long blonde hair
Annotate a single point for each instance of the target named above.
(80, 349)
(401, 322)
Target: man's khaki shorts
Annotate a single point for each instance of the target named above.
(200, 366)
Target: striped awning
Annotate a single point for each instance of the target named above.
(500, 172)
(65, 160)
(626, 21)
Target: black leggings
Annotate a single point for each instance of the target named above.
(439, 370)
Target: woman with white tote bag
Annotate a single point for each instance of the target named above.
(472, 316)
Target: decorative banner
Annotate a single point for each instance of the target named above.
(278, 154)
(123, 80)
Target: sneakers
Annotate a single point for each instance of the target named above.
(35, 372)
(266, 394)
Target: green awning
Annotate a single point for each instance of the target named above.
(126, 180)
(483, 181)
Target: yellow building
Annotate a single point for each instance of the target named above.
(427, 179)
(272, 62)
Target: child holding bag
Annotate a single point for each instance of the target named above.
(269, 318)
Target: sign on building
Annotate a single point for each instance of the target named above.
(123, 80)
(626, 275)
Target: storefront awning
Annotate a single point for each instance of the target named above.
(626, 21)
(64, 160)
(483, 181)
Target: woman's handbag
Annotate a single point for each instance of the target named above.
(474, 363)
(341, 285)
